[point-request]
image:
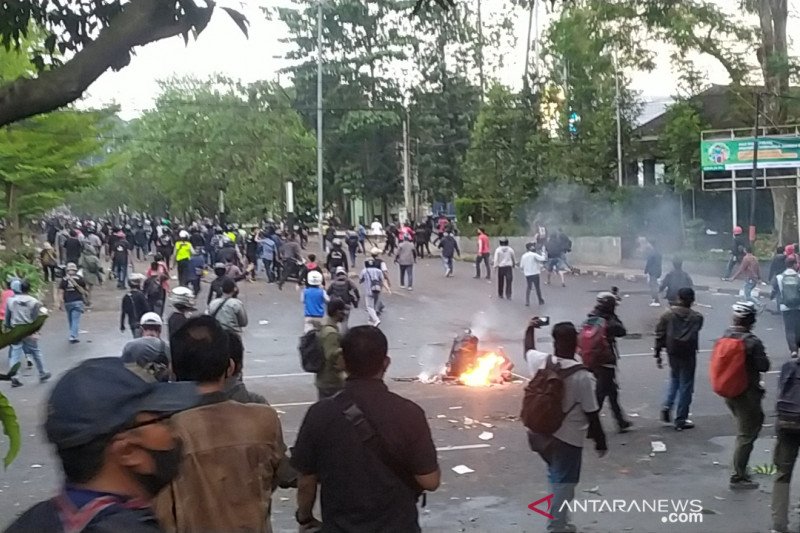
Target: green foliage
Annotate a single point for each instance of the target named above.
(8, 419)
(679, 143)
(21, 264)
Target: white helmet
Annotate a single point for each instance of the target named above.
(182, 296)
(183, 234)
(151, 319)
(744, 309)
(314, 278)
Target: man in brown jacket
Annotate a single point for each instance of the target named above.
(751, 274)
(231, 451)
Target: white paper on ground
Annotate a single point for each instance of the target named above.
(486, 435)
(658, 446)
(462, 469)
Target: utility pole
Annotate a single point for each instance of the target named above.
(407, 164)
(480, 52)
(319, 125)
(754, 183)
(619, 121)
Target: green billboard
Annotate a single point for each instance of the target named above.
(737, 154)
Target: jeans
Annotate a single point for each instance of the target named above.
(447, 262)
(352, 250)
(746, 409)
(407, 271)
(607, 387)
(563, 473)
(749, 285)
(784, 457)
(791, 326)
(374, 307)
(140, 249)
(505, 276)
(533, 281)
(485, 259)
(74, 311)
(268, 269)
(681, 385)
(652, 282)
(121, 273)
(30, 346)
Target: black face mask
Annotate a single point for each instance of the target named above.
(167, 464)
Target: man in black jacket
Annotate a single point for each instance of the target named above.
(652, 270)
(677, 332)
(606, 374)
(134, 305)
(675, 280)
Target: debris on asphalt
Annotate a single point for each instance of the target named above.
(593, 490)
(486, 435)
(36, 466)
(453, 408)
(462, 469)
(720, 498)
(263, 322)
(440, 416)
(715, 463)
(633, 415)
(468, 421)
(658, 446)
(452, 421)
(487, 425)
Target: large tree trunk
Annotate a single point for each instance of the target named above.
(785, 209)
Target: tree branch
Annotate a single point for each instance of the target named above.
(140, 22)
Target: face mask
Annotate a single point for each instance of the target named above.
(167, 463)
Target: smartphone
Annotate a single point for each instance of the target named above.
(544, 320)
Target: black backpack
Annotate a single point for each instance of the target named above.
(341, 289)
(788, 405)
(542, 410)
(152, 288)
(312, 356)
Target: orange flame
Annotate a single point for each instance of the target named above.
(488, 369)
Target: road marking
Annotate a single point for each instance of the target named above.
(773, 372)
(463, 447)
(264, 376)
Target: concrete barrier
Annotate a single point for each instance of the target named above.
(605, 251)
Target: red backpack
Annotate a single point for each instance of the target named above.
(728, 371)
(594, 346)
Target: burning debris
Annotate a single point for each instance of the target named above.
(470, 366)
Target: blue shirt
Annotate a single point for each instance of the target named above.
(314, 302)
(267, 249)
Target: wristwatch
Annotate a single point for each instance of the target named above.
(303, 522)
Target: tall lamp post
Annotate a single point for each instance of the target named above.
(319, 124)
(754, 183)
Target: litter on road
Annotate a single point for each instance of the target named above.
(486, 435)
(462, 469)
(658, 446)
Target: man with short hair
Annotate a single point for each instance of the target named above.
(72, 297)
(483, 255)
(532, 262)
(504, 262)
(231, 450)
(73, 247)
(787, 428)
(116, 447)
(337, 448)
(23, 309)
(372, 280)
(749, 271)
(149, 351)
(229, 310)
(134, 305)
(677, 332)
(563, 450)
(406, 258)
(449, 247)
(652, 269)
(330, 380)
(786, 288)
(675, 280)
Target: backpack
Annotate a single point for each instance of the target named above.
(152, 288)
(681, 335)
(341, 290)
(593, 344)
(788, 405)
(92, 264)
(312, 357)
(728, 371)
(790, 291)
(542, 406)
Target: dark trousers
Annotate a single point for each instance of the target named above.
(563, 473)
(784, 458)
(49, 273)
(420, 247)
(485, 259)
(352, 250)
(183, 273)
(407, 271)
(389, 248)
(746, 409)
(141, 249)
(268, 269)
(533, 281)
(680, 386)
(505, 275)
(607, 387)
(791, 326)
(194, 284)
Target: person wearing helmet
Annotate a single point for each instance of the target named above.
(336, 257)
(307, 268)
(228, 309)
(737, 251)
(134, 305)
(183, 301)
(746, 407)
(23, 309)
(313, 299)
(164, 245)
(346, 290)
(372, 279)
(504, 262)
(149, 352)
(606, 374)
(183, 253)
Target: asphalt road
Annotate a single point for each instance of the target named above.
(507, 477)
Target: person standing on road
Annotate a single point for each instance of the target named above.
(73, 247)
(563, 450)
(777, 265)
(677, 332)
(336, 257)
(675, 280)
(372, 279)
(22, 309)
(555, 249)
(653, 271)
(156, 285)
(406, 258)
(183, 302)
(116, 446)
(73, 297)
(359, 491)
(483, 254)
(606, 374)
(120, 259)
(746, 408)
(182, 254)
(737, 251)
(266, 251)
(750, 272)
(228, 309)
(313, 299)
(449, 247)
(787, 428)
(134, 306)
(504, 262)
(343, 288)
(786, 288)
(531, 264)
(330, 380)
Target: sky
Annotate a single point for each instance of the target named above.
(223, 49)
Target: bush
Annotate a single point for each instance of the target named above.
(21, 264)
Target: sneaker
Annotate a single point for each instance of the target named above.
(625, 426)
(44, 377)
(541, 302)
(743, 484)
(74, 341)
(687, 424)
(30, 363)
(793, 355)
(16, 383)
(655, 304)
(402, 286)
(409, 288)
(666, 415)
(378, 323)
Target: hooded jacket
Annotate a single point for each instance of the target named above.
(683, 320)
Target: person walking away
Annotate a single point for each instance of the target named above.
(749, 271)
(164, 245)
(215, 290)
(344, 289)
(653, 271)
(211, 493)
(483, 254)
(554, 251)
(562, 449)
(352, 244)
(737, 360)
(598, 348)
(120, 260)
(777, 265)
(47, 257)
(372, 279)
(306, 269)
(195, 270)
(251, 253)
(336, 257)
(22, 309)
(140, 241)
(184, 305)
(391, 240)
(116, 447)
(359, 489)
(73, 247)
(786, 288)
(291, 258)
(134, 305)
(313, 299)
(504, 262)
(449, 247)
(737, 252)
(330, 379)
(787, 429)
(266, 252)
(92, 271)
(73, 297)
(156, 286)
(229, 310)
(149, 352)
(677, 332)
(406, 258)
(532, 262)
(183, 253)
(675, 280)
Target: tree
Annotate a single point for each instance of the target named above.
(94, 36)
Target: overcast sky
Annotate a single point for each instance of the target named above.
(222, 48)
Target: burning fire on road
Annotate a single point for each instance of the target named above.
(467, 365)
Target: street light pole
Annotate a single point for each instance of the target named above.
(319, 125)
(619, 121)
(753, 183)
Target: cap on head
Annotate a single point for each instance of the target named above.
(341, 270)
(72, 267)
(314, 278)
(504, 241)
(151, 319)
(100, 396)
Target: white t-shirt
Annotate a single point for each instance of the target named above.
(377, 228)
(579, 397)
